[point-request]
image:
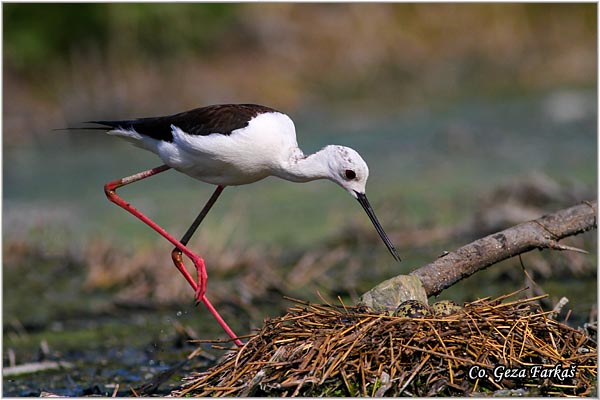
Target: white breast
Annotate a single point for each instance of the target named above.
(245, 156)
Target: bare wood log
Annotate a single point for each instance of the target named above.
(542, 233)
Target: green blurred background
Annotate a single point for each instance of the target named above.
(472, 117)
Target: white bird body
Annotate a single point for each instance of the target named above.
(267, 146)
(247, 155)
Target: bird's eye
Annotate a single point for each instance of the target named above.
(350, 174)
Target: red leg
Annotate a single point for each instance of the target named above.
(110, 190)
(176, 254)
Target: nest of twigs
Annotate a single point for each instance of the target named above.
(326, 350)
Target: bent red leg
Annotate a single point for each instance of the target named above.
(176, 253)
(110, 190)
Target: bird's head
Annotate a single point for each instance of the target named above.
(350, 171)
(347, 169)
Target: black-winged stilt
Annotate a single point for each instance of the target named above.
(229, 145)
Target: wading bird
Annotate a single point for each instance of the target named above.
(230, 145)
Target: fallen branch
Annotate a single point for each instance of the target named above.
(542, 233)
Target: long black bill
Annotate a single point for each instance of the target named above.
(362, 199)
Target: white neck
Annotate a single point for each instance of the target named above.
(301, 168)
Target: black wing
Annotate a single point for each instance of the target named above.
(221, 118)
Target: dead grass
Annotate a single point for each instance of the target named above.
(326, 350)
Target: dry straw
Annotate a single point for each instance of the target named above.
(325, 350)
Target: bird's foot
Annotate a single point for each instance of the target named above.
(198, 298)
(202, 278)
(199, 285)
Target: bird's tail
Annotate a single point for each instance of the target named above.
(82, 128)
(123, 129)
